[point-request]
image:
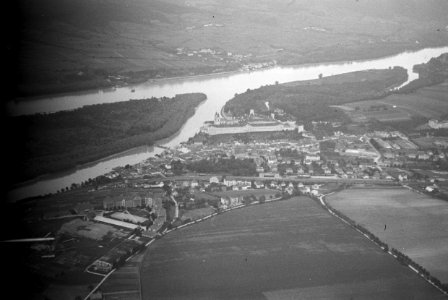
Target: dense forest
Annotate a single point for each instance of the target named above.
(312, 100)
(60, 141)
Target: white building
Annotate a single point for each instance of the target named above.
(214, 179)
(435, 124)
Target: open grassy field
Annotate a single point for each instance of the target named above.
(415, 224)
(62, 45)
(291, 249)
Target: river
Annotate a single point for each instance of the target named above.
(219, 88)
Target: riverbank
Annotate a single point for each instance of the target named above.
(219, 89)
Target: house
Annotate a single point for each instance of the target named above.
(314, 192)
(229, 182)
(305, 190)
(214, 179)
(259, 185)
(402, 177)
(194, 183)
(430, 188)
(229, 201)
(310, 158)
(423, 156)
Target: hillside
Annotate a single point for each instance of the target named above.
(47, 143)
(65, 45)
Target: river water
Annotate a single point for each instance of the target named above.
(219, 88)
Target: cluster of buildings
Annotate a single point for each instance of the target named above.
(220, 55)
(398, 150)
(252, 123)
(435, 124)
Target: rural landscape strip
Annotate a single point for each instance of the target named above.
(402, 258)
(166, 231)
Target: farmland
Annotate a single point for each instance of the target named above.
(425, 103)
(289, 249)
(415, 224)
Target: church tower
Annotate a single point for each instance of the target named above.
(217, 119)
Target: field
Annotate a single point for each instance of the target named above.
(61, 45)
(425, 103)
(415, 224)
(91, 230)
(125, 282)
(291, 249)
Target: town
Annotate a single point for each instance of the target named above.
(229, 164)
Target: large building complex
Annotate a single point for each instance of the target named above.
(253, 123)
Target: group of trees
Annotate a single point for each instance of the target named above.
(233, 166)
(430, 73)
(59, 141)
(309, 102)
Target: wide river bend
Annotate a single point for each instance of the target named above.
(219, 88)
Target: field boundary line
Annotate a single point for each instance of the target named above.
(327, 208)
